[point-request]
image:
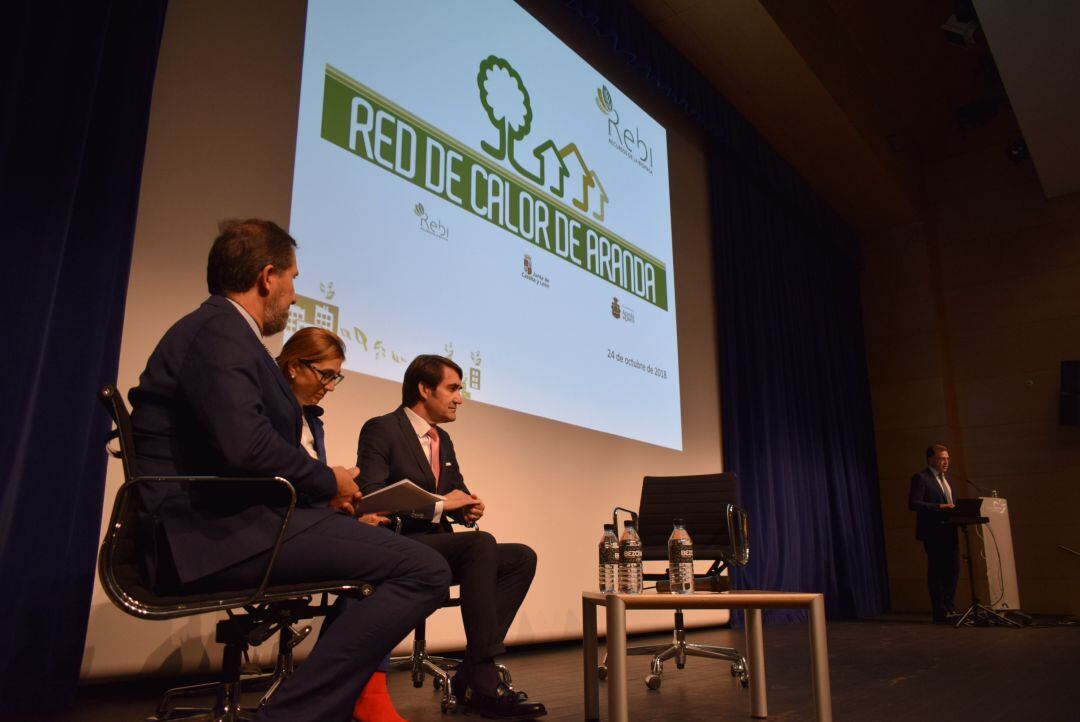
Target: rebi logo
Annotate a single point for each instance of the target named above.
(603, 100)
(629, 143)
(429, 224)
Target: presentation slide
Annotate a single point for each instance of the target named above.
(466, 185)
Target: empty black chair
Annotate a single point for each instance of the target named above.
(253, 615)
(720, 532)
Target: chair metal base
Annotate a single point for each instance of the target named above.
(420, 664)
(227, 693)
(226, 706)
(679, 650)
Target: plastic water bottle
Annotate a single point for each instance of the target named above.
(609, 560)
(629, 559)
(680, 551)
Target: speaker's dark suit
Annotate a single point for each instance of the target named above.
(494, 578)
(940, 541)
(212, 401)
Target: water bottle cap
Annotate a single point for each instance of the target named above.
(609, 527)
(680, 522)
(628, 523)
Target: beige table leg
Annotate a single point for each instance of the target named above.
(588, 639)
(819, 660)
(616, 660)
(755, 652)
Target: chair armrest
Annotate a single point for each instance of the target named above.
(615, 517)
(738, 524)
(273, 486)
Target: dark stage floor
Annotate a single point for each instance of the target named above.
(892, 669)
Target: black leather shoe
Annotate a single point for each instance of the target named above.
(505, 705)
(458, 687)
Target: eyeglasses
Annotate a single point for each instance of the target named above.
(325, 377)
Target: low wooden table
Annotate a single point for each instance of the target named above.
(752, 602)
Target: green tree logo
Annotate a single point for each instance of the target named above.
(506, 100)
(418, 209)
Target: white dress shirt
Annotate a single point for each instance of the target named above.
(250, 321)
(943, 484)
(307, 439)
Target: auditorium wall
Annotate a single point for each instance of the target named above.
(222, 130)
(968, 315)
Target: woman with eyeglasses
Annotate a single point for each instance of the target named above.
(311, 361)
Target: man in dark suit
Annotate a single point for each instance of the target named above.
(410, 444)
(930, 498)
(212, 401)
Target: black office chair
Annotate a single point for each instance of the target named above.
(253, 615)
(720, 532)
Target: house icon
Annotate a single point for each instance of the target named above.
(579, 175)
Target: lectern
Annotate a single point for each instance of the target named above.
(968, 513)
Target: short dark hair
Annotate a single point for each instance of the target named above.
(933, 449)
(426, 369)
(242, 249)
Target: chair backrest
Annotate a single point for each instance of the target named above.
(114, 403)
(119, 567)
(121, 571)
(708, 504)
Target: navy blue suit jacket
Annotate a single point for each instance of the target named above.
(389, 451)
(923, 498)
(313, 415)
(213, 402)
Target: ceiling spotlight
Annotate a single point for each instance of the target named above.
(1018, 151)
(960, 32)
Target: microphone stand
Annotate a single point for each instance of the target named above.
(983, 489)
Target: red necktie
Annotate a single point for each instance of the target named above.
(434, 435)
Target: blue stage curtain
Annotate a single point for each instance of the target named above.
(75, 86)
(797, 423)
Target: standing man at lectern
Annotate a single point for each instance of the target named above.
(410, 443)
(930, 498)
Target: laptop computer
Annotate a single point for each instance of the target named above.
(967, 507)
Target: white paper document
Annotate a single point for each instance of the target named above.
(400, 496)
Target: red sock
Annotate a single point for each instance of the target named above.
(374, 704)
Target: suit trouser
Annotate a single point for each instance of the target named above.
(494, 579)
(410, 582)
(942, 570)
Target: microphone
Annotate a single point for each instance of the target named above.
(983, 489)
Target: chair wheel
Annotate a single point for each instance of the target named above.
(601, 672)
(450, 704)
(653, 681)
(437, 682)
(744, 680)
(417, 679)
